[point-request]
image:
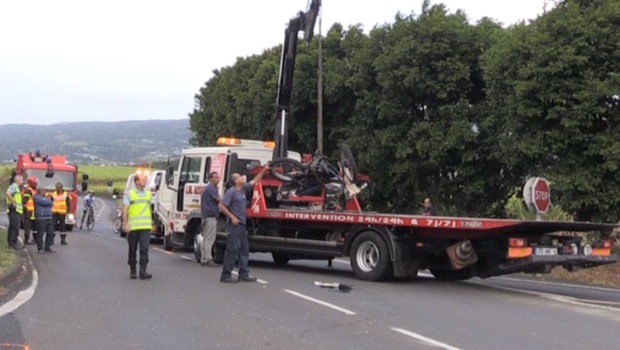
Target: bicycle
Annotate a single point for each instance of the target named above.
(90, 219)
(117, 224)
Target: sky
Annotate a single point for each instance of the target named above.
(70, 61)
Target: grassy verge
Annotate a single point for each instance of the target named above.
(7, 255)
(606, 275)
(100, 176)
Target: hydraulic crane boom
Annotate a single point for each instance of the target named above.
(304, 21)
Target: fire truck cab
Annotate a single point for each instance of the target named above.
(178, 200)
(51, 170)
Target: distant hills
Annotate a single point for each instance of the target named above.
(115, 143)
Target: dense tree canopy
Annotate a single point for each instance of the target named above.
(433, 105)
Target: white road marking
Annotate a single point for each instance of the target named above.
(320, 302)
(257, 280)
(119, 239)
(24, 296)
(97, 233)
(559, 298)
(3, 227)
(559, 284)
(426, 340)
(188, 258)
(163, 251)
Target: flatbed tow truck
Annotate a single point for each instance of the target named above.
(310, 210)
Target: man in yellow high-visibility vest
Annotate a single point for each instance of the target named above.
(62, 202)
(14, 210)
(137, 221)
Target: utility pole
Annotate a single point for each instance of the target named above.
(319, 114)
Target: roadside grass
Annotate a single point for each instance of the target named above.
(7, 255)
(606, 275)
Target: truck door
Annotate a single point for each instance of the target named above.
(191, 169)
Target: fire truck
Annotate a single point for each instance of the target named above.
(307, 207)
(50, 170)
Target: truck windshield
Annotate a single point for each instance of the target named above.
(66, 178)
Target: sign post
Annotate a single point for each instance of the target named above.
(537, 196)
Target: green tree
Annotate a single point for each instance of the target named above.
(554, 85)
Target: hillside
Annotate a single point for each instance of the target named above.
(98, 142)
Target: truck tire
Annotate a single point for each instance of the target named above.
(453, 275)
(280, 258)
(168, 245)
(218, 254)
(370, 257)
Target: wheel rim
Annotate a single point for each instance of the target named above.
(367, 256)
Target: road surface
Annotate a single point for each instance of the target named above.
(84, 299)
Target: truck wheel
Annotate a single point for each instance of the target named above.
(453, 275)
(280, 259)
(370, 257)
(168, 242)
(217, 253)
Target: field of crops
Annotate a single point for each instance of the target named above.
(99, 176)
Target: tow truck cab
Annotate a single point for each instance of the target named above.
(178, 203)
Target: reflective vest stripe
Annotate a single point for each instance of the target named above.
(60, 203)
(139, 211)
(30, 201)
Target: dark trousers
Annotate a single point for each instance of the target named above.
(236, 245)
(59, 222)
(144, 238)
(14, 219)
(28, 225)
(46, 228)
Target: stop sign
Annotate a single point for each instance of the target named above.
(542, 195)
(537, 195)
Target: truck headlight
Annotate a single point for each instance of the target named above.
(587, 249)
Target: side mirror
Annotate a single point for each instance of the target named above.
(169, 178)
(84, 177)
(49, 174)
(84, 186)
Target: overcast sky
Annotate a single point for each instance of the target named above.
(92, 60)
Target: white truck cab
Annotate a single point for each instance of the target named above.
(178, 202)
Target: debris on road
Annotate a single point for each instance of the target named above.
(334, 285)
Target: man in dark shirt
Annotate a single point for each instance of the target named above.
(210, 200)
(233, 206)
(429, 209)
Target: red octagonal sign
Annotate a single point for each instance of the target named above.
(541, 194)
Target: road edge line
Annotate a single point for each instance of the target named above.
(23, 296)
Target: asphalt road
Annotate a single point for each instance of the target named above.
(85, 300)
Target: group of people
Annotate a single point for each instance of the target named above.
(233, 206)
(40, 210)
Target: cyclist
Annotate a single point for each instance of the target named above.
(89, 204)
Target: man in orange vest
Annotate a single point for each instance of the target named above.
(30, 189)
(62, 202)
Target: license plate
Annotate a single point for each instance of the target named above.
(546, 251)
